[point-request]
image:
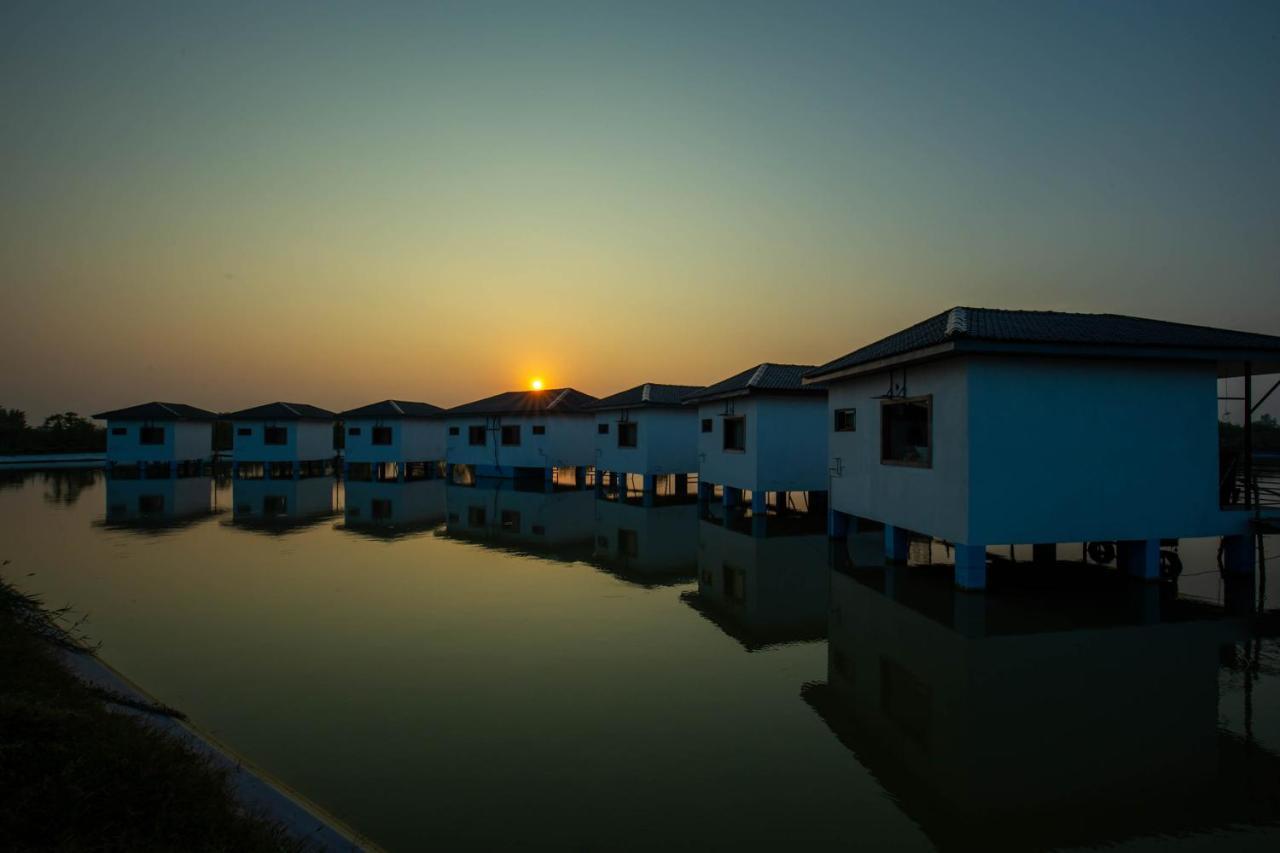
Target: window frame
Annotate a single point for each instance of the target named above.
(503, 435)
(724, 434)
(852, 412)
(119, 430)
(244, 431)
(477, 431)
(146, 434)
(602, 428)
(539, 429)
(453, 430)
(927, 401)
(269, 431)
(380, 432)
(632, 429)
(353, 430)
(708, 425)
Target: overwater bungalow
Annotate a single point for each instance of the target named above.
(389, 509)
(505, 515)
(984, 427)
(394, 440)
(650, 546)
(1040, 718)
(282, 441)
(158, 440)
(527, 434)
(762, 431)
(646, 431)
(153, 506)
(281, 505)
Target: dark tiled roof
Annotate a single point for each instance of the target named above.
(763, 378)
(648, 394)
(282, 412)
(158, 412)
(393, 409)
(1049, 327)
(553, 400)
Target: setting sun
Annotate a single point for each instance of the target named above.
(536, 384)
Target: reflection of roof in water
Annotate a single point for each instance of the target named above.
(279, 525)
(158, 525)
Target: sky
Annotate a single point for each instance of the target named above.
(230, 203)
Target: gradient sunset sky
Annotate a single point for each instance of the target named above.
(232, 203)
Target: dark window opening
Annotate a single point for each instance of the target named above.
(602, 429)
(510, 520)
(511, 436)
(453, 430)
(906, 432)
(735, 433)
(735, 584)
(380, 508)
(628, 543)
(539, 430)
(707, 425)
(382, 435)
(475, 516)
(244, 431)
(846, 420)
(353, 430)
(150, 504)
(119, 430)
(273, 505)
(275, 435)
(627, 434)
(151, 435)
(475, 436)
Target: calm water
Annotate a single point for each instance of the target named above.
(475, 667)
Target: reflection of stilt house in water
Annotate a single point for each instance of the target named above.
(157, 504)
(391, 509)
(522, 434)
(648, 432)
(985, 427)
(498, 513)
(762, 591)
(762, 431)
(281, 441)
(1030, 725)
(393, 440)
(158, 440)
(649, 545)
(278, 506)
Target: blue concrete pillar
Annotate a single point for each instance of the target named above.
(780, 501)
(837, 524)
(266, 470)
(598, 485)
(705, 492)
(235, 470)
(1238, 554)
(650, 483)
(400, 472)
(732, 497)
(1044, 554)
(759, 501)
(173, 470)
(971, 567)
(682, 484)
(548, 475)
(295, 470)
(580, 476)
(1139, 558)
(895, 543)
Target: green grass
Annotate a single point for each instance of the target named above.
(75, 775)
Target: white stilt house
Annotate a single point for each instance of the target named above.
(394, 440)
(158, 440)
(281, 441)
(648, 432)
(522, 434)
(762, 431)
(983, 427)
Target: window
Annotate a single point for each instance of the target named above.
(475, 516)
(119, 430)
(382, 435)
(275, 435)
(475, 436)
(510, 520)
(602, 429)
(353, 431)
(511, 436)
(151, 435)
(628, 543)
(380, 508)
(735, 584)
(244, 431)
(539, 430)
(706, 425)
(150, 504)
(453, 430)
(273, 505)
(906, 432)
(846, 420)
(735, 434)
(627, 434)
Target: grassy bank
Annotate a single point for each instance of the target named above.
(77, 775)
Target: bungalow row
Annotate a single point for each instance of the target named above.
(976, 426)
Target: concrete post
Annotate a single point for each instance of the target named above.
(895, 543)
(837, 524)
(1238, 554)
(759, 512)
(1044, 554)
(780, 501)
(732, 497)
(682, 485)
(1139, 558)
(173, 470)
(649, 484)
(295, 470)
(580, 476)
(400, 472)
(705, 491)
(266, 470)
(971, 567)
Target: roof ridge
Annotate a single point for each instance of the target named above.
(558, 398)
(396, 406)
(170, 409)
(755, 377)
(957, 322)
(644, 393)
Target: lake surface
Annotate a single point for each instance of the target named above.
(480, 667)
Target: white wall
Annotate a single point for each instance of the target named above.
(929, 500)
(412, 440)
(786, 447)
(666, 441)
(304, 440)
(183, 440)
(566, 444)
(1042, 450)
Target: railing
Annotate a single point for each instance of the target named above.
(1263, 490)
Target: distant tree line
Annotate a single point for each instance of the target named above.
(1266, 434)
(62, 433)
